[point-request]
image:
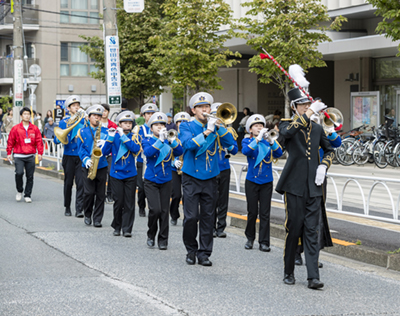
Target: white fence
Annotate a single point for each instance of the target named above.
(389, 198)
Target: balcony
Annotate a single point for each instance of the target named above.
(7, 70)
(30, 19)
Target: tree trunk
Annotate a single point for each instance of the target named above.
(288, 112)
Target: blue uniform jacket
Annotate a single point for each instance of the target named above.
(70, 149)
(204, 166)
(176, 157)
(223, 162)
(335, 141)
(262, 173)
(125, 166)
(85, 143)
(151, 149)
(145, 133)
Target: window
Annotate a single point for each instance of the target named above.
(79, 11)
(74, 62)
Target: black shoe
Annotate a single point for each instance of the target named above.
(117, 233)
(162, 247)
(298, 261)
(174, 222)
(289, 279)
(191, 258)
(142, 213)
(67, 211)
(88, 221)
(265, 248)
(221, 235)
(320, 265)
(315, 284)
(150, 242)
(79, 214)
(109, 200)
(97, 224)
(205, 262)
(249, 244)
(126, 234)
(214, 234)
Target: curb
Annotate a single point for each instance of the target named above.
(355, 252)
(42, 170)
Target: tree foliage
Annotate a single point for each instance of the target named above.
(290, 31)
(139, 74)
(191, 49)
(390, 11)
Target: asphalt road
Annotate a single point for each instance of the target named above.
(53, 265)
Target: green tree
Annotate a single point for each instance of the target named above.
(5, 103)
(290, 31)
(140, 77)
(191, 49)
(390, 11)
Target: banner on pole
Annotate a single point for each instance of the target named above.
(18, 82)
(113, 70)
(134, 6)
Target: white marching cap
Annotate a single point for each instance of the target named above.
(214, 107)
(95, 109)
(72, 99)
(201, 98)
(254, 119)
(158, 117)
(125, 116)
(148, 108)
(181, 116)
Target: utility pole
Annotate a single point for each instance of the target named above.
(111, 54)
(18, 87)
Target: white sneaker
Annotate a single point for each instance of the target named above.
(18, 197)
(28, 200)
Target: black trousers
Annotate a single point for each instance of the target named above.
(199, 206)
(176, 195)
(108, 183)
(141, 193)
(158, 196)
(94, 189)
(258, 197)
(28, 164)
(72, 166)
(302, 219)
(221, 209)
(124, 203)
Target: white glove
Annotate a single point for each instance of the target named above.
(178, 163)
(89, 163)
(318, 106)
(320, 176)
(211, 124)
(120, 131)
(261, 134)
(163, 134)
(100, 143)
(111, 132)
(81, 110)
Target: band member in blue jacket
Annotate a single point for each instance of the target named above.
(124, 146)
(223, 180)
(159, 150)
(260, 149)
(176, 165)
(144, 132)
(70, 161)
(95, 188)
(199, 178)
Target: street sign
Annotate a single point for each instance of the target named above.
(113, 70)
(18, 82)
(134, 6)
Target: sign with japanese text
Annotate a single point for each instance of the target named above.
(113, 70)
(18, 82)
(134, 6)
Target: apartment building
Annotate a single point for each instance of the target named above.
(52, 41)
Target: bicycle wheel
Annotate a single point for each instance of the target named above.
(397, 153)
(345, 152)
(361, 154)
(378, 154)
(389, 153)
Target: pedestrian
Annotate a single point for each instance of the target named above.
(8, 121)
(48, 131)
(24, 141)
(159, 150)
(199, 178)
(49, 114)
(1, 117)
(170, 123)
(300, 182)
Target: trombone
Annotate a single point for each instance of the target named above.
(226, 114)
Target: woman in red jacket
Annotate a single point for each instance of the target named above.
(24, 141)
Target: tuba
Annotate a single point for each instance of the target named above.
(335, 115)
(62, 134)
(96, 155)
(226, 114)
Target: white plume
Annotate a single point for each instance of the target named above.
(297, 73)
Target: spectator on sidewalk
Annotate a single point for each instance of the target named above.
(8, 122)
(48, 131)
(170, 124)
(24, 141)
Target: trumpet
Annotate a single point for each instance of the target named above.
(172, 135)
(226, 114)
(227, 154)
(329, 124)
(272, 134)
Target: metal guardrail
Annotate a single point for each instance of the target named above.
(333, 177)
(7, 66)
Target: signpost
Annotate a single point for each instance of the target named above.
(113, 70)
(134, 6)
(18, 82)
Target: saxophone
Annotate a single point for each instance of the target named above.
(96, 155)
(179, 170)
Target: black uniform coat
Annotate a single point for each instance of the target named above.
(302, 142)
